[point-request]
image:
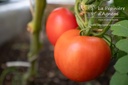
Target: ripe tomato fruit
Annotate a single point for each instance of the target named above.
(81, 58)
(59, 21)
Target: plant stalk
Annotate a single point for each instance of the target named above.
(35, 41)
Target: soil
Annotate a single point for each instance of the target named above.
(17, 49)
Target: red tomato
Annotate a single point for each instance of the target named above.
(59, 21)
(81, 58)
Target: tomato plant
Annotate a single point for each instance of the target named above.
(60, 20)
(81, 58)
(121, 33)
(83, 54)
(77, 54)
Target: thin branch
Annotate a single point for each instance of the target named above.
(31, 7)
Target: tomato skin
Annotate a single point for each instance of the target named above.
(81, 58)
(59, 21)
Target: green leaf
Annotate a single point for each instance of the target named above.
(119, 79)
(120, 54)
(120, 28)
(122, 45)
(122, 3)
(122, 65)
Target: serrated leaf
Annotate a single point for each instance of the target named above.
(119, 79)
(122, 45)
(120, 28)
(121, 54)
(122, 65)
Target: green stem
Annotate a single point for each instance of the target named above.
(35, 45)
(37, 23)
(86, 23)
(35, 40)
(39, 10)
(78, 18)
(83, 23)
(5, 72)
(100, 34)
